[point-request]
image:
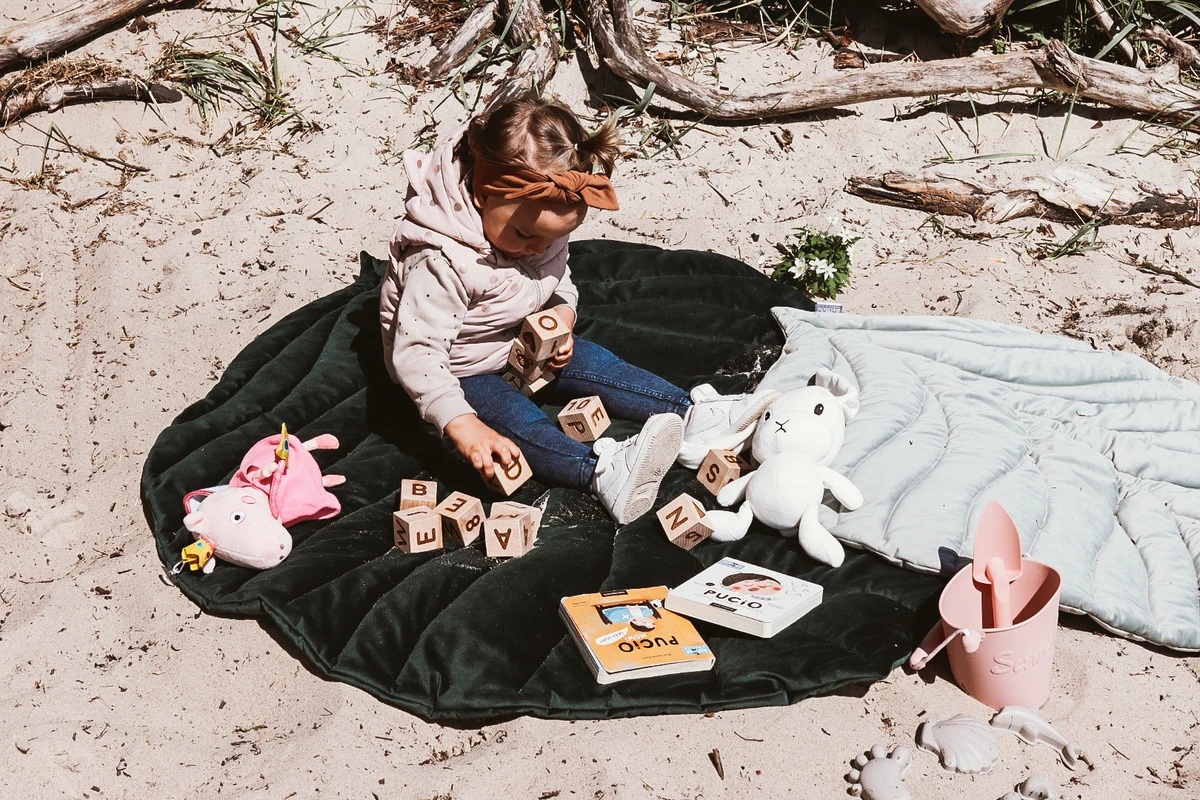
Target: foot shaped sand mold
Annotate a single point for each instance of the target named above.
(879, 775)
(1030, 728)
(963, 744)
(1034, 787)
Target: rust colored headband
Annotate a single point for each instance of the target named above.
(568, 188)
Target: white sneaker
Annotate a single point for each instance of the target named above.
(721, 422)
(628, 473)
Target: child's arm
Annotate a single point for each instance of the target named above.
(420, 322)
(564, 302)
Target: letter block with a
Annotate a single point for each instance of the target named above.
(417, 530)
(719, 468)
(414, 494)
(683, 521)
(542, 334)
(531, 519)
(584, 419)
(504, 535)
(461, 516)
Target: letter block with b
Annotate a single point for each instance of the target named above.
(683, 521)
(462, 516)
(719, 468)
(417, 530)
(584, 419)
(416, 494)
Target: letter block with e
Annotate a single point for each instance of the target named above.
(542, 334)
(462, 516)
(504, 535)
(584, 419)
(417, 530)
(719, 468)
(417, 494)
(683, 521)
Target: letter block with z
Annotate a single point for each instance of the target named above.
(414, 494)
(719, 468)
(542, 334)
(504, 535)
(683, 521)
(462, 516)
(506, 479)
(584, 419)
(417, 530)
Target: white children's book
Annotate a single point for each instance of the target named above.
(745, 597)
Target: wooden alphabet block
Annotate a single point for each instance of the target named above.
(542, 333)
(414, 494)
(584, 419)
(417, 530)
(719, 468)
(461, 517)
(504, 535)
(683, 521)
(531, 519)
(522, 363)
(506, 479)
(532, 388)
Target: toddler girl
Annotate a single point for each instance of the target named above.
(483, 244)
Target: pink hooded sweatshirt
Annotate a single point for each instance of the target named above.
(450, 304)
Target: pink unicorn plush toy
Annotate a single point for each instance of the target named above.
(277, 485)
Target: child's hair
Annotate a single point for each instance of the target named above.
(541, 135)
(738, 577)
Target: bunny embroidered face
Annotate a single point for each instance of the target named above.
(810, 421)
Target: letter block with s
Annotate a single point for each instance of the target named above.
(719, 468)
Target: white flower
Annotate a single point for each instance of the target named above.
(796, 271)
(762, 259)
(822, 268)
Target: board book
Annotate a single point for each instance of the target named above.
(745, 597)
(628, 633)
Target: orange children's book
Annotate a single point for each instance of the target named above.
(629, 633)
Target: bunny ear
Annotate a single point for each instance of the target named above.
(840, 387)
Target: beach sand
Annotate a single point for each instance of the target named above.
(126, 293)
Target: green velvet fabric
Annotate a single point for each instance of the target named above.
(455, 634)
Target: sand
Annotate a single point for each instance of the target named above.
(126, 294)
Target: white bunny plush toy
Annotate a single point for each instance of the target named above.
(796, 437)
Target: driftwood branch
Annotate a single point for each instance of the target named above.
(1065, 195)
(15, 106)
(1157, 92)
(459, 49)
(967, 18)
(1109, 24)
(535, 66)
(59, 32)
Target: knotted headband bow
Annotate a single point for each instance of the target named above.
(568, 188)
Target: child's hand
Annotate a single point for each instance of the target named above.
(479, 443)
(562, 356)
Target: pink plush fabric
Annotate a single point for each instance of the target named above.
(295, 490)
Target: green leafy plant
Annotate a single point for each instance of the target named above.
(815, 262)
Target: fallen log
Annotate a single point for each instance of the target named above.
(535, 66)
(57, 33)
(16, 106)
(459, 49)
(1065, 194)
(1155, 92)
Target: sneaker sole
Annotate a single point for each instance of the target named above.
(664, 437)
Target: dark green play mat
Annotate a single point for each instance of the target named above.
(455, 634)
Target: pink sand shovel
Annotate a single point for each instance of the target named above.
(997, 560)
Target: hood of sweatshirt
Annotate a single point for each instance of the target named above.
(442, 214)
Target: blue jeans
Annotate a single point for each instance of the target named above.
(627, 392)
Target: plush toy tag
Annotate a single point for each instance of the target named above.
(196, 555)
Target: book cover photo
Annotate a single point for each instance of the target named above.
(745, 597)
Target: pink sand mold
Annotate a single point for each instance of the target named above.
(879, 775)
(1031, 728)
(963, 744)
(1034, 787)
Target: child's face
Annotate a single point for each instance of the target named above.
(519, 228)
(757, 586)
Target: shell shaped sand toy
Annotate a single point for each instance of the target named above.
(879, 775)
(963, 744)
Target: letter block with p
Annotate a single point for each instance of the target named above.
(584, 419)
(683, 521)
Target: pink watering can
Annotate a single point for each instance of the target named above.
(999, 616)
